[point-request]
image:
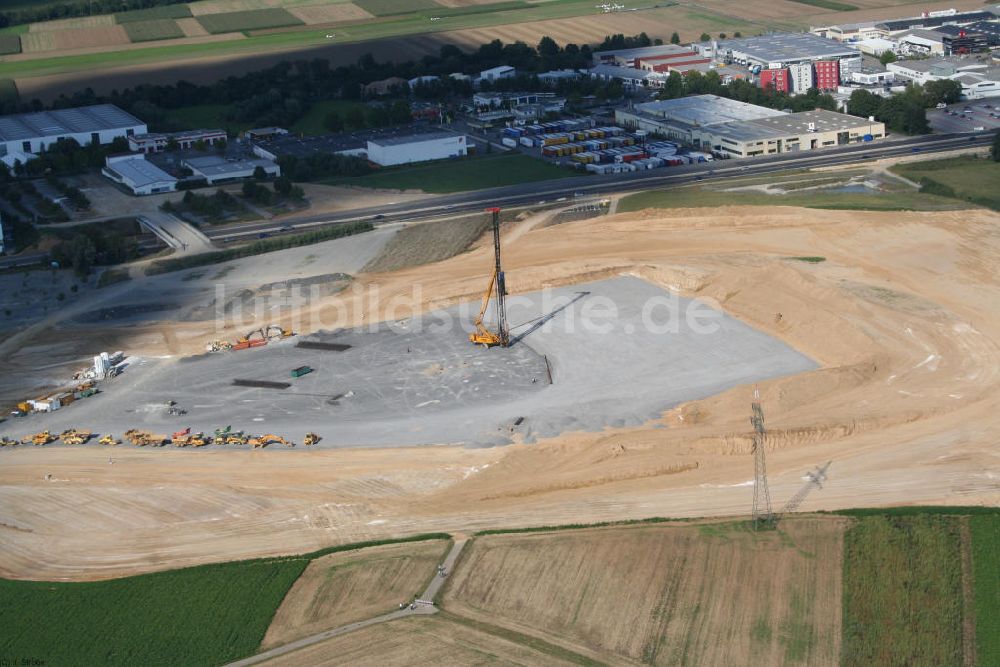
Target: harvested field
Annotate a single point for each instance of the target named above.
(83, 38)
(352, 586)
(428, 640)
(254, 19)
(467, 3)
(224, 6)
(71, 23)
(711, 594)
(903, 592)
(428, 242)
(148, 31)
(319, 14)
(36, 42)
(191, 28)
(393, 7)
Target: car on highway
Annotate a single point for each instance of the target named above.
(286, 228)
(263, 235)
(379, 216)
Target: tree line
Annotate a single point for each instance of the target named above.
(62, 10)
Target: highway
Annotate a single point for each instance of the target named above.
(549, 191)
(536, 193)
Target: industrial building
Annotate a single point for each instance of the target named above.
(928, 20)
(219, 169)
(771, 51)
(979, 77)
(738, 129)
(629, 76)
(631, 57)
(155, 142)
(385, 147)
(138, 175)
(33, 132)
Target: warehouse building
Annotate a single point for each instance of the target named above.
(218, 169)
(155, 142)
(138, 175)
(744, 130)
(33, 132)
(386, 146)
(632, 57)
(770, 51)
(629, 76)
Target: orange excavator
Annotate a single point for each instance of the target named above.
(482, 335)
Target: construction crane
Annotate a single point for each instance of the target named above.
(482, 335)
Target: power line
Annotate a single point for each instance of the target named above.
(761, 511)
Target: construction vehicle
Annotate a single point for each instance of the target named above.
(7, 442)
(109, 440)
(236, 438)
(42, 438)
(310, 439)
(74, 437)
(273, 331)
(482, 335)
(144, 438)
(218, 346)
(181, 434)
(198, 440)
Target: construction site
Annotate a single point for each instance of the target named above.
(572, 402)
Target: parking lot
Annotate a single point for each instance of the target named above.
(969, 116)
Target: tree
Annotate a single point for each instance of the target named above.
(82, 253)
(675, 38)
(249, 190)
(704, 37)
(283, 185)
(995, 148)
(332, 122)
(887, 57)
(863, 103)
(259, 174)
(355, 118)
(942, 91)
(722, 35)
(737, 34)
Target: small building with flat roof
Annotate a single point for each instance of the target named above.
(219, 169)
(394, 145)
(138, 175)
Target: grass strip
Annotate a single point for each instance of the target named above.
(535, 643)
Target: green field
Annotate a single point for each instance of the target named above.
(312, 122)
(252, 19)
(699, 197)
(460, 175)
(902, 592)
(195, 616)
(392, 7)
(148, 31)
(259, 43)
(986, 574)
(971, 179)
(9, 44)
(154, 13)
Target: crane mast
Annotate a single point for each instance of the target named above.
(482, 335)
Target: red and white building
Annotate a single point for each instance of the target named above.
(827, 74)
(778, 79)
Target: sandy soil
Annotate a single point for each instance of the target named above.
(351, 586)
(436, 641)
(903, 318)
(654, 595)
